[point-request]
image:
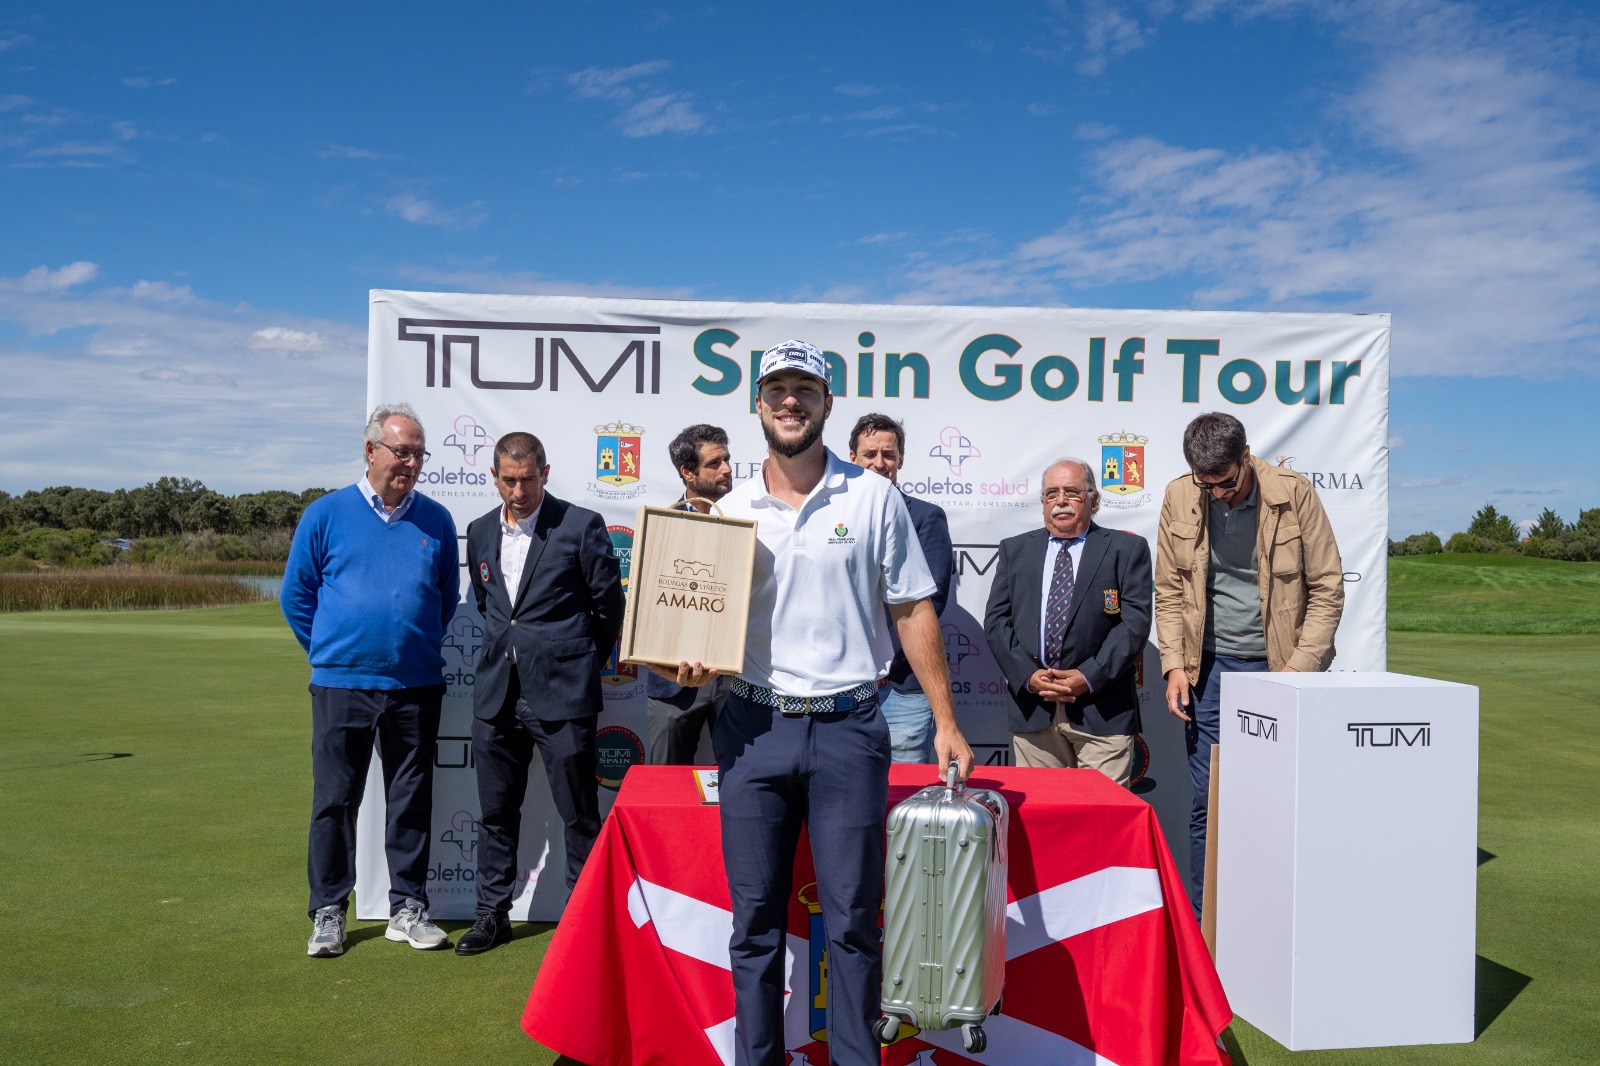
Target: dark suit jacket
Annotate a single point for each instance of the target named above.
(933, 534)
(565, 618)
(1104, 644)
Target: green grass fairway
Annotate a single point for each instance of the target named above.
(158, 899)
(1492, 594)
(155, 781)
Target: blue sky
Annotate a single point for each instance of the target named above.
(195, 200)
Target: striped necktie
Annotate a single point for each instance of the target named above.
(1058, 606)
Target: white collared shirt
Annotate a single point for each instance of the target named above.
(1075, 552)
(370, 494)
(822, 576)
(515, 537)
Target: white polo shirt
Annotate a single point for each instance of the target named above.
(822, 575)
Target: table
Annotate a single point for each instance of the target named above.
(1103, 953)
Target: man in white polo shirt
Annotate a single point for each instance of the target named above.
(801, 738)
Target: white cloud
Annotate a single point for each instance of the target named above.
(180, 376)
(78, 154)
(160, 292)
(414, 208)
(144, 82)
(1431, 483)
(611, 83)
(342, 151)
(12, 101)
(856, 89)
(1467, 207)
(1396, 442)
(279, 338)
(648, 107)
(667, 113)
(483, 279)
(43, 279)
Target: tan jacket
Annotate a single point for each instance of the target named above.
(1302, 579)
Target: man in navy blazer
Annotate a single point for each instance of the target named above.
(1068, 632)
(878, 443)
(550, 592)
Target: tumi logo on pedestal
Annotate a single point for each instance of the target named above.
(1258, 725)
(1392, 734)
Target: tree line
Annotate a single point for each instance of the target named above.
(1549, 537)
(170, 506)
(174, 522)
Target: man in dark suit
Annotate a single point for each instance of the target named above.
(550, 591)
(878, 443)
(1068, 617)
(679, 714)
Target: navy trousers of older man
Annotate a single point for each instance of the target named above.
(830, 772)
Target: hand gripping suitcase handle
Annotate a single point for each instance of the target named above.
(950, 775)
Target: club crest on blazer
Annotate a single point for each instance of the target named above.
(1113, 602)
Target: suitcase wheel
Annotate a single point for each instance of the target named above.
(886, 1029)
(972, 1038)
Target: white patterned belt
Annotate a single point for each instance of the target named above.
(797, 706)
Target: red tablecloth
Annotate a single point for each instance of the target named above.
(1103, 954)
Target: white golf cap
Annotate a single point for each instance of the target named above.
(794, 355)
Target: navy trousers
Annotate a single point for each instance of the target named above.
(502, 749)
(344, 722)
(1199, 733)
(831, 773)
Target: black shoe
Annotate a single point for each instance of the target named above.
(488, 931)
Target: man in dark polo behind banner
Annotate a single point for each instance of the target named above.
(1248, 579)
(1068, 617)
(878, 443)
(678, 714)
(372, 580)
(801, 740)
(550, 591)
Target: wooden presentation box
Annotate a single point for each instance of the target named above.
(689, 589)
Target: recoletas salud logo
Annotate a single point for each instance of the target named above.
(469, 437)
(958, 450)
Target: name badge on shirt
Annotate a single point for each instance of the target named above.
(483, 571)
(1113, 602)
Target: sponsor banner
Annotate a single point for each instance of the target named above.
(989, 397)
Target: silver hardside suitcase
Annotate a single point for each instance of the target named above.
(944, 917)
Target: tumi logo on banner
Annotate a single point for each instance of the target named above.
(1252, 724)
(531, 355)
(1392, 734)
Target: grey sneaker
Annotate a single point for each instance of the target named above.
(327, 933)
(410, 925)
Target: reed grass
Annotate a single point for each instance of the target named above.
(68, 590)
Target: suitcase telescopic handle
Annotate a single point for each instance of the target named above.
(950, 775)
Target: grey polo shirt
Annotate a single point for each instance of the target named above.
(1233, 587)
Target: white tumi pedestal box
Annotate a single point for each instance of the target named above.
(1347, 857)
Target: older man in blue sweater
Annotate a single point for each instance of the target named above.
(372, 581)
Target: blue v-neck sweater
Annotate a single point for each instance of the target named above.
(369, 600)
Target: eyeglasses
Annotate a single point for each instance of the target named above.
(1225, 486)
(1072, 495)
(405, 455)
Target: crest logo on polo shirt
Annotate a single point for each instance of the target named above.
(1122, 469)
(618, 461)
(841, 535)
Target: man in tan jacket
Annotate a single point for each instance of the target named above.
(1248, 578)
